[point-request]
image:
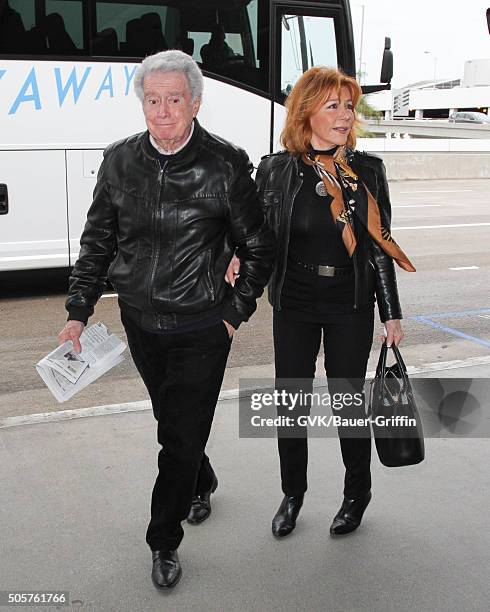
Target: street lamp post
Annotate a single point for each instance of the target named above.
(435, 65)
(362, 44)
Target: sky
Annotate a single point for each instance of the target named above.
(452, 31)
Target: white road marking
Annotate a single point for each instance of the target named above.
(439, 191)
(106, 295)
(417, 206)
(484, 316)
(412, 227)
(230, 394)
(466, 268)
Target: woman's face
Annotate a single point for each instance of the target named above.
(331, 124)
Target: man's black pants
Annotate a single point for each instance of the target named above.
(183, 374)
(347, 347)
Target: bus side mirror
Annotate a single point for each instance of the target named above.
(386, 71)
(387, 65)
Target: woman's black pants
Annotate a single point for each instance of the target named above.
(347, 347)
(183, 374)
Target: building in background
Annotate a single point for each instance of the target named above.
(438, 99)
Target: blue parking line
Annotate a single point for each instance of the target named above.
(453, 331)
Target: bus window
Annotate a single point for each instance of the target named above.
(57, 30)
(223, 40)
(221, 47)
(66, 19)
(16, 19)
(133, 30)
(306, 41)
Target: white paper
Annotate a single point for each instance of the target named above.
(66, 372)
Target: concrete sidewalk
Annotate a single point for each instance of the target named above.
(75, 504)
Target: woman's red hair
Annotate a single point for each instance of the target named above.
(313, 89)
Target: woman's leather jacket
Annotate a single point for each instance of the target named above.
(279, 179)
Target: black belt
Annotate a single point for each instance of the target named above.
(323, 270)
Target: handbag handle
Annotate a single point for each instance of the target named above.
(401, 365)
(381, 367)
(398, 357)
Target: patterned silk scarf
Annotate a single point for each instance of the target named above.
(351, 196)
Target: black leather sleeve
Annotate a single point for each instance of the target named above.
(261, 176)
(386, 286)
(97, 250)
(253, 240)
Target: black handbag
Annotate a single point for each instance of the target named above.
(395, 420)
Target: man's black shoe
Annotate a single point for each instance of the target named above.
(348, 518)
(201, 505)
(166, 570)
(285, 520)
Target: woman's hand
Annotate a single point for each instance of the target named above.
(394, 332)
(233, 271)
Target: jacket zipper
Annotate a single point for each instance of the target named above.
(208, 273)
(290, 213)
(156, 250)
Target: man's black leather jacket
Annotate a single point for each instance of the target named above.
(279, 179)
(164, 237)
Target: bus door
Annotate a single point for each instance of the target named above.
(306, 34)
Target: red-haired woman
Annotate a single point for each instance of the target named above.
(329, 206)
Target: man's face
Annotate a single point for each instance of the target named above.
(168, 108)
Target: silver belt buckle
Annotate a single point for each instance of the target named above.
(326, 271)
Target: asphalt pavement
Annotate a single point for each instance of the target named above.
(445, 303)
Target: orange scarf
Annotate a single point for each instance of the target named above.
(347, 191)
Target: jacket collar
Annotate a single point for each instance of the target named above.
(349, 155)
(155, 145)
(185, 155)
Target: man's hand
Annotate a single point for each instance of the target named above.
(72, 331)
(229, 328)
(394, 332)
(233, 271)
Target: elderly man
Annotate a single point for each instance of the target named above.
(171, 205)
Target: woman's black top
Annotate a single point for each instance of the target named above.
(314, 239)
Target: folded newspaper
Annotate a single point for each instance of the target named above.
(66, 372)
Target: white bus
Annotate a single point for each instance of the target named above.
(66, 71)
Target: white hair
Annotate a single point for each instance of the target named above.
(170, 61)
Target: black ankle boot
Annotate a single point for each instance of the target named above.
(349, 517)
(285, 520)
